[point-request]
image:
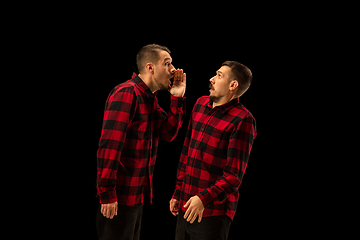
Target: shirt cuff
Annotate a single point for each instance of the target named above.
(108, 197)
(205, 197)
(176, 195)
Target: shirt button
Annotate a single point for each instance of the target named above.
(202, 129)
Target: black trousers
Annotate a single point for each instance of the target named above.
(125, 226)
(210, 228)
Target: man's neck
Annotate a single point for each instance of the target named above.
(147, 79)
(223, 100)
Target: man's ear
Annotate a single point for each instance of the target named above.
(149, 67)
(233, 85)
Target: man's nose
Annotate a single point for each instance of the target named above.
(172, 71)
(212, 80)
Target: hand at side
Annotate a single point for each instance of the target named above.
(195, 208)
(109, 210)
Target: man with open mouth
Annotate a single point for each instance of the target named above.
(132, 126)
(214, 157)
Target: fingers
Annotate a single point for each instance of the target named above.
(174, 208)
(192, 217)
(116, 208)
(110, 213)
(113, 210)
(200, 216)
(187, 203)
(105, 210)
(102, 209)
(191, 214)
(188, 211)
(194, 209)
(176, 75)
(109, 210)
(175, 212)
(180, 75)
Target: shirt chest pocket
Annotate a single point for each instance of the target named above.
(216, 139)
(214, 151)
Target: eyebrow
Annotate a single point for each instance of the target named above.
(167, 59)
(219, 72)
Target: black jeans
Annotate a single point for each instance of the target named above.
(210, 228)
(125, 226)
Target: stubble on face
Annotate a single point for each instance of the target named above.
(161, 85)
(163, 78)
(212, 97)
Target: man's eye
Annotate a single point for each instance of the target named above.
(167, 64)
(219, 76)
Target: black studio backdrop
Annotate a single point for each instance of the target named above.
(74, 56)
(98, 59)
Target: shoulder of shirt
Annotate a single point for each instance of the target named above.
(128, 86)
(244, 112)
(202, 100)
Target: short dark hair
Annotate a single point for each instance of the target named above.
(240, 73)
(149, 53)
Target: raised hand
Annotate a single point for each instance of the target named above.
(179, 84)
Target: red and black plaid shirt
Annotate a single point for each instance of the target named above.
(133, 123)
(215, 155)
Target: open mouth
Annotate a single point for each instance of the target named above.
(211, 87)
(171, 80)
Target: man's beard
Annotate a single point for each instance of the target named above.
(161, 86)
(212, 97)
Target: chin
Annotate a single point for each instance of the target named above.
(163, 87)
(213, 98)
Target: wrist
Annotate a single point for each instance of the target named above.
(176, 95)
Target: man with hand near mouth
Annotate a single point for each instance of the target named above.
(214, 158)
(132, 126)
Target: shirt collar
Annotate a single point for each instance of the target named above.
(142, 85)
(225, 107)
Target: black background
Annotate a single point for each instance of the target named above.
(65, 59)
(94, 57)
(199, 59)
